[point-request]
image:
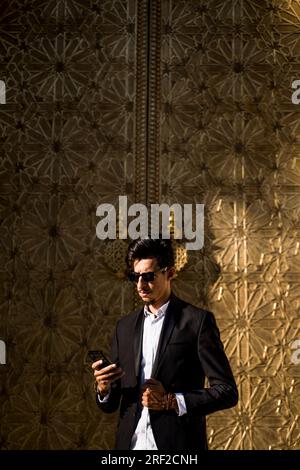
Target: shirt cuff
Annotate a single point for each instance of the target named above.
(104, 399)
(181, 404)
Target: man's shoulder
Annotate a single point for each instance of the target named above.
(130, 317)
(185, 305)
(192, 310)
(180, 305)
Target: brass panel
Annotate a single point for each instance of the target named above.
(174, 101)
(67, 142)
(230, 138)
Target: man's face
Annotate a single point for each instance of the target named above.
(158, 289)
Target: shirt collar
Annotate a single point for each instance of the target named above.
(160, 312)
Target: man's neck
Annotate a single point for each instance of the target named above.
(153, 308)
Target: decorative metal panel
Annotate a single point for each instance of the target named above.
(230, 138)
(163, 101)
(67, 145)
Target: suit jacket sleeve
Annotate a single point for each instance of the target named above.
(222, 392)
(113, 402)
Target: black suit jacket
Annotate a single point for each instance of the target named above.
(189, 350)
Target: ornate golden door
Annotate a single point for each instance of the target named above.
(163, 101)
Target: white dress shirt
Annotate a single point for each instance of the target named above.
(143, 438)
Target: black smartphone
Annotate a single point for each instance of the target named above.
(97, 355)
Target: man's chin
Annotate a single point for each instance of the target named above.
(146, 297)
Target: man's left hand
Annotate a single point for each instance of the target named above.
(154, 395)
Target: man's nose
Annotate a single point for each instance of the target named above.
(141, 283)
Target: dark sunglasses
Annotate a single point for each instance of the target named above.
(147, 277)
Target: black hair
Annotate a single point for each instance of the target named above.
(146, 248)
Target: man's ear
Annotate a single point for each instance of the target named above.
(171, 272)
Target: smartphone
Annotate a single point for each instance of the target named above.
(97, 355)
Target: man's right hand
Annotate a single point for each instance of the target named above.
(106, 376)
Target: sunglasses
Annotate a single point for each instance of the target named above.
(147, 277)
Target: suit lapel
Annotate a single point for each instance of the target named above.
(172, 312)
(138, 341)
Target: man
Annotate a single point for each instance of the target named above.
(162, 354)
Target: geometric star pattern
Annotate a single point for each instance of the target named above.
(67, 138)
(229, 138)
(230, 135)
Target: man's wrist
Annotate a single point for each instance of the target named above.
(171, 402)
(101, 393)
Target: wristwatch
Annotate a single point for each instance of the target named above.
(171, 402)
